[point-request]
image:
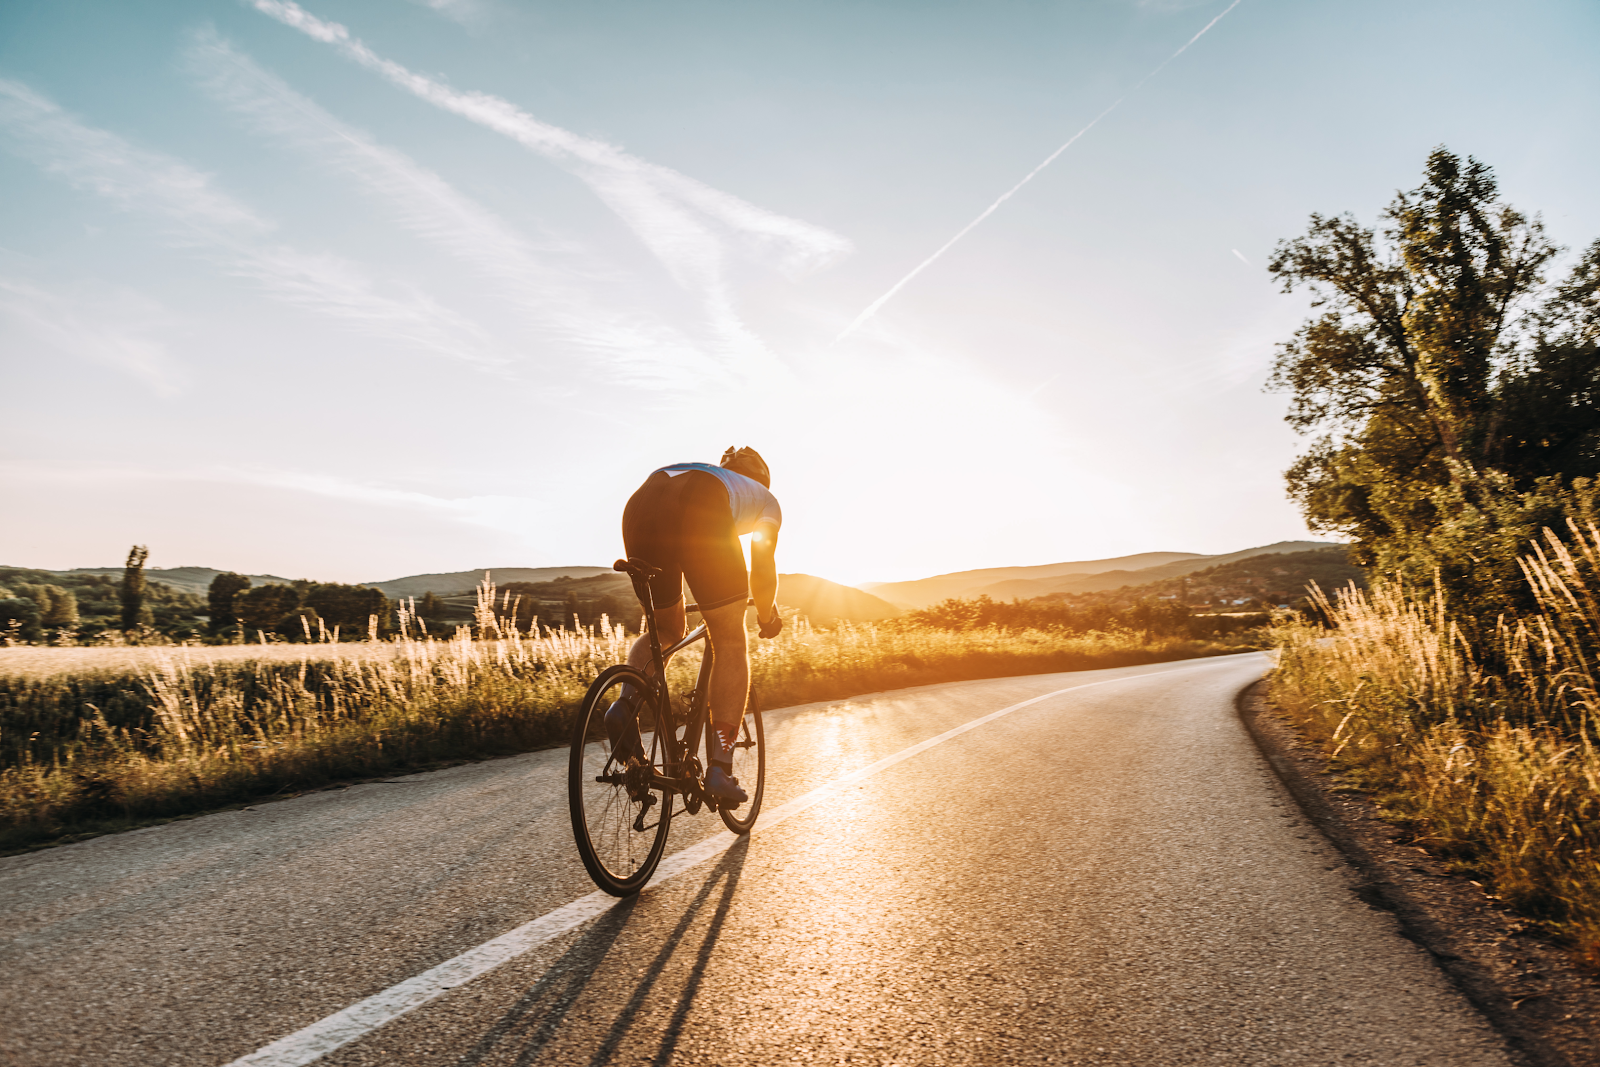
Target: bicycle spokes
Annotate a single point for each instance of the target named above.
(619, 820)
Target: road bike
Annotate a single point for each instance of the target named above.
(623, 808)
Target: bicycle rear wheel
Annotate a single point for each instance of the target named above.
(750, 767)
(619, 820)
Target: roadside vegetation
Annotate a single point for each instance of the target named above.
(95, 739)
(1453, 399)
(1486, 752)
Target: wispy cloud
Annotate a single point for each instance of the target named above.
(198, 216)
(690, 227)
(573, 320)
(494, 511)
(113, 328)
(466, 12)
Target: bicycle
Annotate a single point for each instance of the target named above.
(622, 809)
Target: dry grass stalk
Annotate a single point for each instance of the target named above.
(1490, 757)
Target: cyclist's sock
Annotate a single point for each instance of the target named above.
(724, 735)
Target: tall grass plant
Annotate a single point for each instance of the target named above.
(1487, 751)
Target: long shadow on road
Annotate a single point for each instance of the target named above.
(536, 1019)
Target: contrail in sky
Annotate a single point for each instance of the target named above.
(872, 309)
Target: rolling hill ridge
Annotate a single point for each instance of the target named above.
(1088, 576)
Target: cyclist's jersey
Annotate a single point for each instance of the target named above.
(751, 502)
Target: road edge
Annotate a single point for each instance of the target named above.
(1526, 985)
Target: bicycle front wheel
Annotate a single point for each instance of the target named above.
(750, 767)
(619, 820)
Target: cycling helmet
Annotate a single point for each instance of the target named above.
(748, 462)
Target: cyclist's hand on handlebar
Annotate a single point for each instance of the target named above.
(770, 627)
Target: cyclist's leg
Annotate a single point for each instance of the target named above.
(730, 670)
(730, 690)
(670, 622)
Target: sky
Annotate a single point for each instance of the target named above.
(352, 290)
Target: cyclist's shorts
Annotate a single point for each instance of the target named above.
(684, 526)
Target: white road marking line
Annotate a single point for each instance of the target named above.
(339, 1029)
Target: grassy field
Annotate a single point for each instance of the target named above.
(99, 739)
(1488, 756)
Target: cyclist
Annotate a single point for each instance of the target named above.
(686, 520)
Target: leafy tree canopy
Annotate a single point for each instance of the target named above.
(265, 606)
(1452, 395)
(346, 605)
(220, 596)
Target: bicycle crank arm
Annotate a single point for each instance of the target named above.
(689, 787)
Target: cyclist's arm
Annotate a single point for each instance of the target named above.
(764, 570)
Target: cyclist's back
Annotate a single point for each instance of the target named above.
(686, 521)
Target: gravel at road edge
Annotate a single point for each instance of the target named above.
(1527, 986)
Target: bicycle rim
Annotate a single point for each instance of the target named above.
(750, 767)
(619, 823)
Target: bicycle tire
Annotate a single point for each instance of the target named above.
(606, 809)
(750, 767)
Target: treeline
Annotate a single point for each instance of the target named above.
(563, 601)
(52, 608)
(302, 610)
(40, 606)
(1155, 618)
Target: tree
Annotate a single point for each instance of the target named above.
(430, 607)
(265, 606)
(63, 610)
(301, 624)
(569, 611)
(132, 590)
(1450, 394)
(58, 607)
(612, 608)
(346, 605)
(220, 597)
(19, 618)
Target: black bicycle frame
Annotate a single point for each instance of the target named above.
(680, 756)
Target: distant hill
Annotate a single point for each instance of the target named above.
(466, 581)
(1086, 577)
(1093, 583)
(925, 591)
(826, 603)
(1254, 582)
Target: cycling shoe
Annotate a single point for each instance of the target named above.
(725, 787)
(622, 728)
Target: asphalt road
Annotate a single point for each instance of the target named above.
(1107, 876)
